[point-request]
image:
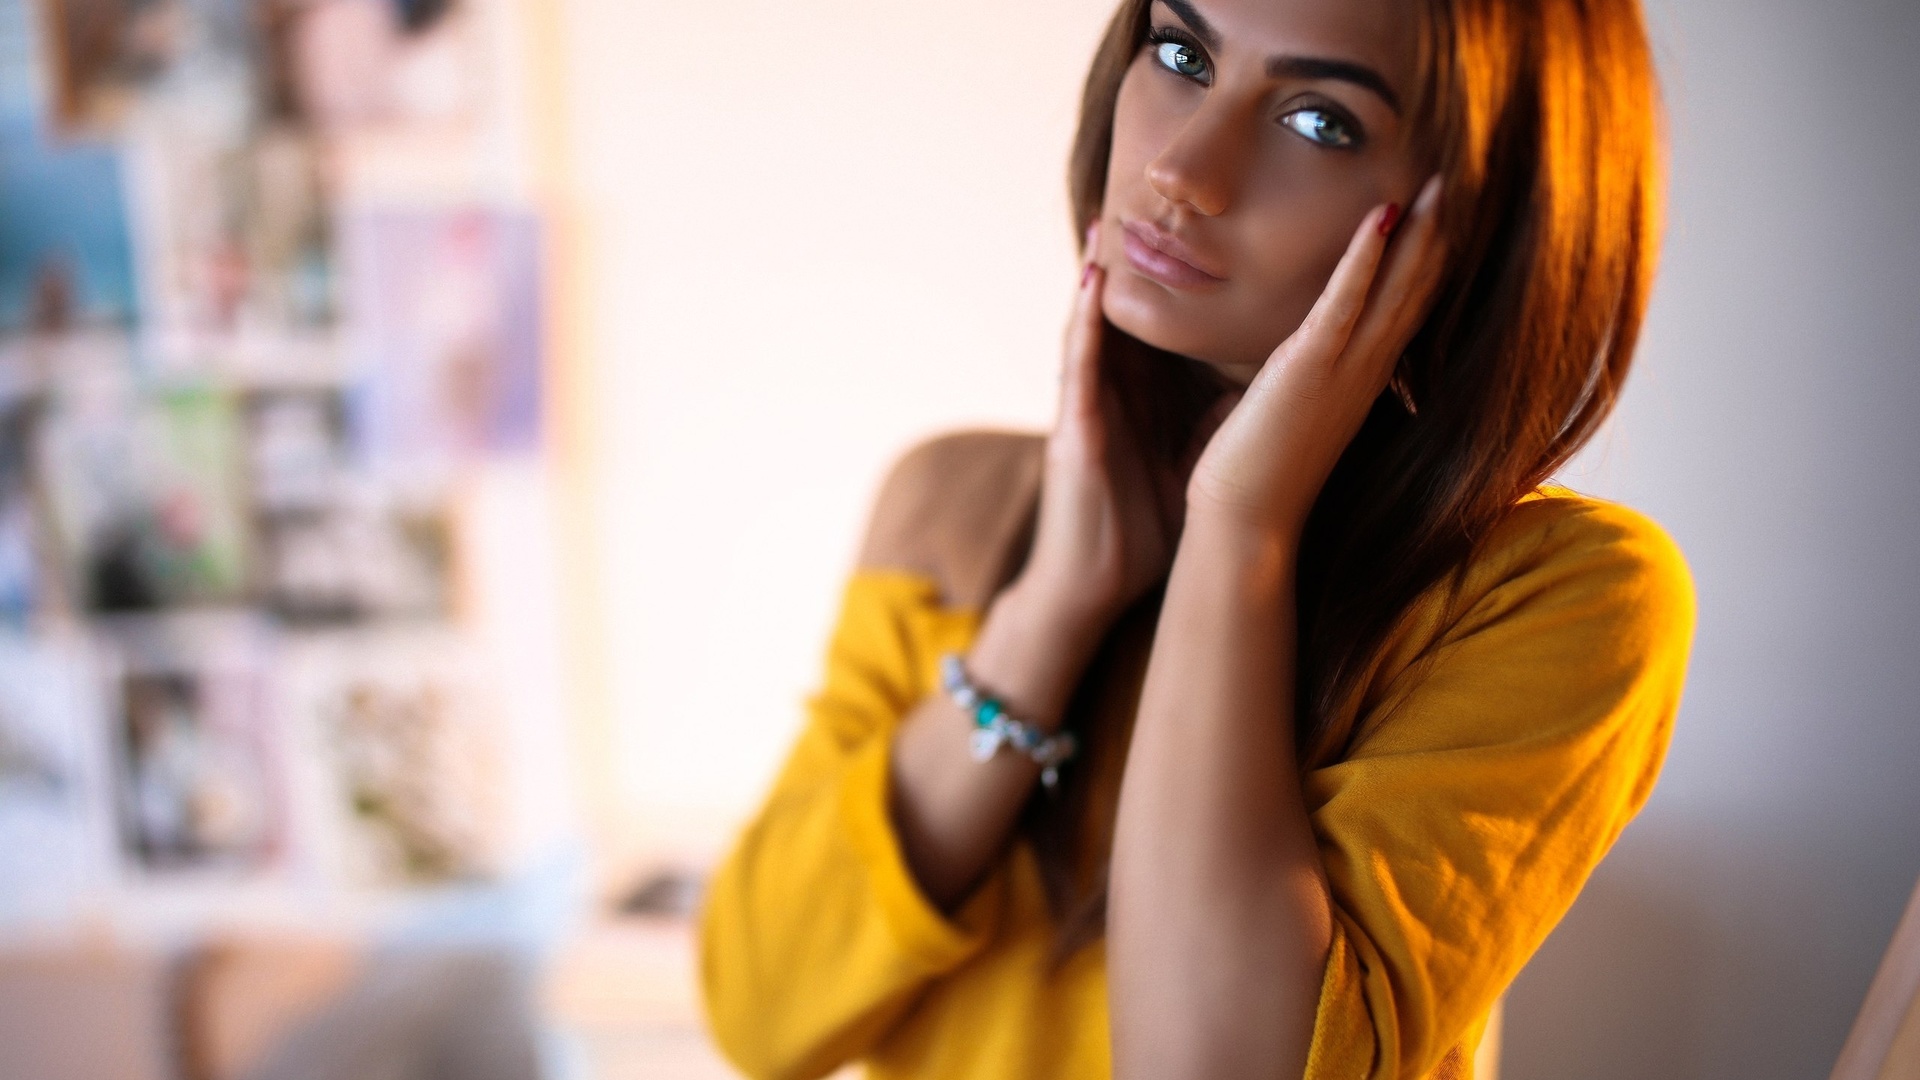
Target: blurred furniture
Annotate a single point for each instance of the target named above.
(300, 1009)
(87, 1012)
(624, 993)
(242, 998)
(266, 1008)
(1885, 1041)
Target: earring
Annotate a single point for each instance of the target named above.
(1398, 384)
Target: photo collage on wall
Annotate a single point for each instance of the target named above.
(239, 398)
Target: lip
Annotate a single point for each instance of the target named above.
(1160, 256)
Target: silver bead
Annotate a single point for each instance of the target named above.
(986, 743)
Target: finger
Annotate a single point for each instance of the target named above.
(1406, 284)
(1080, 366)
(1324, 333)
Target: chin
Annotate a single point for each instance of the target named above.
(1153, 321)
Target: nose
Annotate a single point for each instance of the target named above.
(1202, 166)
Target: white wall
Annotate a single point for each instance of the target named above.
(818, 232)
(820, 229)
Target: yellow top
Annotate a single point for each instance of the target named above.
(1498, 755)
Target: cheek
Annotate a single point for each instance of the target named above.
(1293, 246)
(1145, 118)
(1298, 213)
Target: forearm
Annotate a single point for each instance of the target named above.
(1219, 920)
(953, 813)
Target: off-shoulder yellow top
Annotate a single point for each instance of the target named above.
(1512, 731)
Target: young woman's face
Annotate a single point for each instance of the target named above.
(1250, 138)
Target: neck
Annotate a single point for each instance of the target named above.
(1164, 394)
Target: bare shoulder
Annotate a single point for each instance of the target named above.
(959, 509)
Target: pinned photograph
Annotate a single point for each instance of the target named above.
(446, 326)
(352, 65)
(146, 497)
(66, 257)
(365, 556)
(20, 556)
(236, 238)
(332, 546)
(296, 448)
(53, 831)
(100, 52)
(196, 778)
(411, 756)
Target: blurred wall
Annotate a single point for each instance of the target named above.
(1734, 929)
(812, 232)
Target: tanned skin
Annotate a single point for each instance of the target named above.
(1267, 212)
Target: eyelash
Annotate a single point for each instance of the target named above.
(1163, 35)
(1356, 136)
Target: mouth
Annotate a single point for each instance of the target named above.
(1158, 255)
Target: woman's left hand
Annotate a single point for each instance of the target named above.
(1265, 466)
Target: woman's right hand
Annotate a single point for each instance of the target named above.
(1108, 520)
(1106, 533)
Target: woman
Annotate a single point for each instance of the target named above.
(1343, 706)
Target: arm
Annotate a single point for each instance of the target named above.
(954, 813)
(1221, 916)
(814, 938)
(1509, 737)
(872, 869)
(1104, 535)
(1219, 920)
(1501, 754)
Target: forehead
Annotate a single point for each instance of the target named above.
(1382, 34)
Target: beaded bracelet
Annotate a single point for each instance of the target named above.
(993, 728)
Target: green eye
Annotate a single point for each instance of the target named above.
(1320, 126)
(1182, 59)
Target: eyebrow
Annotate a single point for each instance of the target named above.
(1295, 67)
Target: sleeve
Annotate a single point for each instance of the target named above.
(815, 938)
(1487, 782)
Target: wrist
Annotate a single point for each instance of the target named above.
(1031, 650)
(1267, 517)
(1253, 555)
(1058, 605)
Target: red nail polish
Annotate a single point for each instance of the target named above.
(1389, 219)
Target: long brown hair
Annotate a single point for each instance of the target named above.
(1542, 116)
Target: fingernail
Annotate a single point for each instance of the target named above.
(1389, 219)
(1086, 276)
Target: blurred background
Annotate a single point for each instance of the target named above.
(433, 434)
